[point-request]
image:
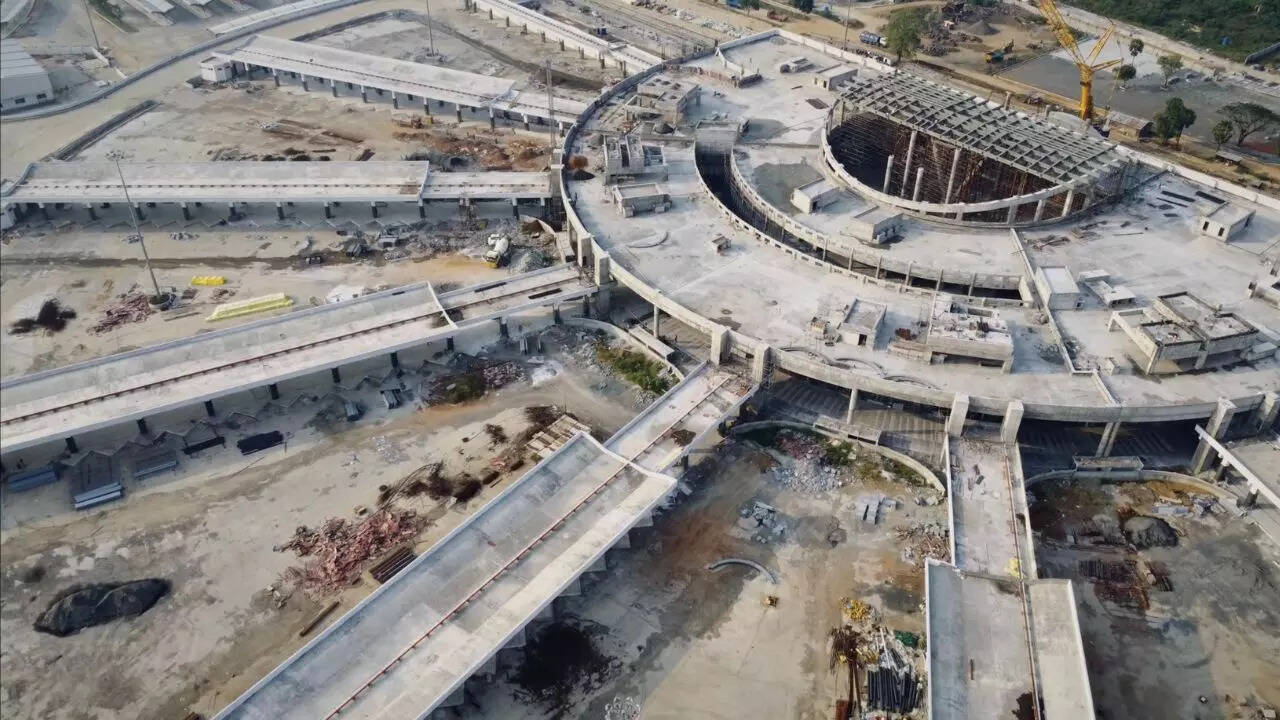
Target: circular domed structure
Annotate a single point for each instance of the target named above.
(935, 151)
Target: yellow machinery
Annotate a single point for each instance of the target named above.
(1086, 64)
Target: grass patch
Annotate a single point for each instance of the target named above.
(839, 454)
(903, 473)
(648, 374)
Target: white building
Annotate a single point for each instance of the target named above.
(1225, 221)
(23, 82)
(1057, 289)
(215, 69)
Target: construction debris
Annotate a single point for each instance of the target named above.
(505, 373)
(51, 317)
(341, 548)
(132, 307)
(931, 540)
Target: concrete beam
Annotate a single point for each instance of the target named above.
(959, 410)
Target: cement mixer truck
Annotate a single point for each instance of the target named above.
(499, 248)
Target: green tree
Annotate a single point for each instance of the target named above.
(1248, 118)
(1136, 47)
(1126, 73)
(903, 32)
(1222, 133)
(804, 6)
(1169, 64)
(750, 5)
(1170, 122)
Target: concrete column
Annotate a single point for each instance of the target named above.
(888, 172)
(584, 244)
(1264, 416)
(1012, 421)
(208, 408)
(582, 53)
(275, 75)
(304, 84)
(364, 94)
(1108, 439)
(458, 108)
(657, 314)
(448, 344)
(395, 360)
(951, 179)
(395, 101)
(328, 211)
(333, 88)
(853, 404)
(493, 121)
(526, 121)
(279, 211)
(915, 194)
(142, 426)
(422, 209)
(506, 22)
(336, 374)
(1066, 206)
(1216, 428)
(93, 214)
(71, 445)
(544, 36)
(426, 107)
(44, 211)
(373, 208)
(1011, 215)
(562, 46)
(502, 327)
(137, 209)
(959, 410)
(719, 343)
(231, 210)
(603, 275)
(760, 363)
(906, 168)
(1039, 209)
(275, 391)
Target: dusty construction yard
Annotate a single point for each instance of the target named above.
(211, 529)
(661, 630)
(1199, 643)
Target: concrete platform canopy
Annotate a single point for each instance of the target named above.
(408, 648)
(409, 80)
(265, 182)
(59, 403)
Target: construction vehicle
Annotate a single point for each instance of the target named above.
(1087, 65)
(499, 248)
(994, 56)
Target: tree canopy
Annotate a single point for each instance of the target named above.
(903, 32)
(1169, 64)
(1248, 118)
(1248, 25)
(1136, 46)
(1176, 117)
(1222, 132)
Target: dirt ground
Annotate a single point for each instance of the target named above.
(88, 268)
(211, 528)
(1204, 649)
(685, 642)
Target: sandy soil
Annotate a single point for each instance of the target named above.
(1210, 637)
(210, 530)
(684, 642)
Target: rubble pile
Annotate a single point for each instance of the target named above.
(340, 548)
(496, 376)
(809, 476)
(932, 540)
(133, 307)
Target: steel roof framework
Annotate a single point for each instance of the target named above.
(1042, 149)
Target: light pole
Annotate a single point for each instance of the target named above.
(431, 35)
(133, 216)
(89, 14)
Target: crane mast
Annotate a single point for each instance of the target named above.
(1086, 64)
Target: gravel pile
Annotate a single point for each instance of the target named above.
(809, 476)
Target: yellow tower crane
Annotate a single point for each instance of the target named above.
(1086, 65)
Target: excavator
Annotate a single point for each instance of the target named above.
(1087, 64)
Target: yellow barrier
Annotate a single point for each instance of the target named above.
(250, 306)
(208, 280)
